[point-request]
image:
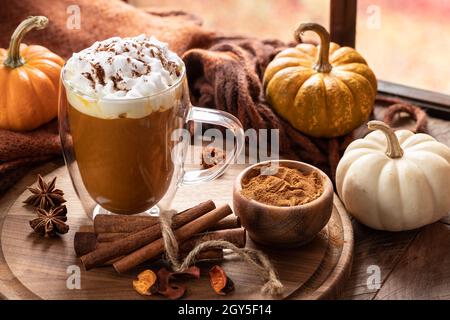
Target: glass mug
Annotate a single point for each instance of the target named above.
(133, 163)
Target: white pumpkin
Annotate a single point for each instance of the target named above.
(395, 181)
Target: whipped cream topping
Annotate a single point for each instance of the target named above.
(117, 69)
(123, 68)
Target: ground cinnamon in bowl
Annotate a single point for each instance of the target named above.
(286, 188)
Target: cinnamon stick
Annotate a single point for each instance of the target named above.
(210, 254)
(229, 222)
(139, 239)
(235, 236)
(156, 247)
(105, 223)
(111, 236)
(86, 242)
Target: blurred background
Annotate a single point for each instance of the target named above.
(404, 41)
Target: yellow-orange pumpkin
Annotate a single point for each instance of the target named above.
(29, 79)
(324, 91)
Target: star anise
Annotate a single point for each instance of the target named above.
(45, 196)
(50, 222)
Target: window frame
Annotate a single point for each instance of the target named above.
(343, 15)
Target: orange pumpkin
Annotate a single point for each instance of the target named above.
(29, 79)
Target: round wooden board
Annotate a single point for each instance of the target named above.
(317, 270)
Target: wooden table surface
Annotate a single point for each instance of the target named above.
(405, 265)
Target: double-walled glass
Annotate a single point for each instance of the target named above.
(126, 156)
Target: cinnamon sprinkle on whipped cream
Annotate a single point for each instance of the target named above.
(123, 68)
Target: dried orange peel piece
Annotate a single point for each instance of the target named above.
(168, 289)
(146, 283)
(220, 282)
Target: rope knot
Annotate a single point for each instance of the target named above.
(255, 258)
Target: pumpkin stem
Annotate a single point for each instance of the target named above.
(394, 150)
(14, 60)
(323, 63)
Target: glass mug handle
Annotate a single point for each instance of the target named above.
(223, 119)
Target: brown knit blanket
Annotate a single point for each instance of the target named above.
(224, 73)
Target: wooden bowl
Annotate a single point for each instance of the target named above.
(283, 226)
